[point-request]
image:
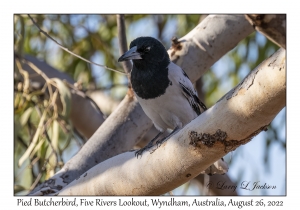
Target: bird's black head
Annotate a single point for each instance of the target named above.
(149, 74)
(146, 52)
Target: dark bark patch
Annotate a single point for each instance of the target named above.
(219, 136)
(255, 20)
(206, 139)
(176, 45)
(65, 176)
(47, 187)
(172, 53)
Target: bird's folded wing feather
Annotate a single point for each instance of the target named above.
(187, 87)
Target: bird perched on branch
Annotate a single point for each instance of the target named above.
(163, 89)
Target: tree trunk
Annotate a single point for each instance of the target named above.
(233, 121)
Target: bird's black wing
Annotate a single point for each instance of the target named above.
(178, 76)
(191, 96)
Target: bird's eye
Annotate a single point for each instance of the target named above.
(147, 49)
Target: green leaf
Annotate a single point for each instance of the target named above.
(34, 140)
(26, 81)
(55, 135)
(65, 97)
(37, 148)
(25, 116)
(18, 188)
(54, 142)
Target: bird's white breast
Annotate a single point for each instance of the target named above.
(172, 108)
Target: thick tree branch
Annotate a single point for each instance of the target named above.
(197, 51)
(124, 127)
(273, 26)
(231, 122)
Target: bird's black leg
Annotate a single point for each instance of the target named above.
(149, 145)
(176, 129)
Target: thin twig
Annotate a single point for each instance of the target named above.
(40, 173)
(123, 41)
(111, 86)
(63, 127)
(123, 48)
(68, 141)
(77, 138)
(37, 70)
(19, 138)
(52, 147)
(34, 161)
(67, 50)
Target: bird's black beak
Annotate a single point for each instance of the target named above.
(131, 54)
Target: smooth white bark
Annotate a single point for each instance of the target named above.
(234, 120)
(197, 51)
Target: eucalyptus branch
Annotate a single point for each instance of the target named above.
(273, 26)
(67, 50)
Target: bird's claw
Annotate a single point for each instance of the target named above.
(158, 144)
(139, 153)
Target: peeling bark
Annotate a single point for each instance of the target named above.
(240, 117)
(273, 26)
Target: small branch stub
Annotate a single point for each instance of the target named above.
(176, 45)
